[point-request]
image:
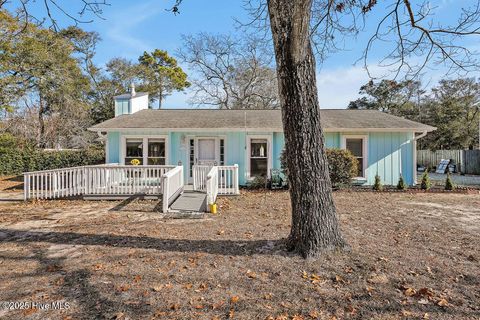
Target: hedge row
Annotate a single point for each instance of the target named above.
(342, 166)
(16, 161)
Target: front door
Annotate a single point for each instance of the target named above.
(206, 152)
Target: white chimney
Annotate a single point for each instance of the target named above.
(132, 90)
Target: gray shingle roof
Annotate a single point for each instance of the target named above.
(128, 96)
(332, 119)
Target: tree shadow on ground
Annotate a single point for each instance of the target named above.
(221, 247)
(77, 290)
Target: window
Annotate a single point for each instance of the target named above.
(355, 146)
(123, 107)
(134, 151)
(192, 156)
(258, 157)
(156, 152)
(222, 152)
(145, 151)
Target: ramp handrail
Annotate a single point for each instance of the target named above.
(212, 186)
(173, 186)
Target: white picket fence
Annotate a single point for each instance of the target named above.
(94, 180)
(228, 183)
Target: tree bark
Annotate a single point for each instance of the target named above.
(315, 225)
(41, 121)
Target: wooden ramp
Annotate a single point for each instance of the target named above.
(190, 201)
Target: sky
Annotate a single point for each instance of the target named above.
(128, 28)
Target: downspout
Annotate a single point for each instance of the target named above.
(415, 138)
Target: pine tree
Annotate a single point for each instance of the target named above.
(378, 183)
(449, 183)
(401, 185)
(426, 184)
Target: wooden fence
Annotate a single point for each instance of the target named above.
(467, 161)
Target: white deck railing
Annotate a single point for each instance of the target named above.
(94, 180)
(228, 183)
(212, 186)
(200, 173)
(173, 186)
(228, 180)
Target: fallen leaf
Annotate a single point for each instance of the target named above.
(426, 292)
(137, 278)
(218, 305)
(443, 303)
(123, 288)
(313, 314)
(406, 313)
(251, 274)
(234, 299)
(157, 288)
(409, 292)
(378, 278)
(231, 314)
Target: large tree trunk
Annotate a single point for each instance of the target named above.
(315, 225)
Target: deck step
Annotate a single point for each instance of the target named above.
(190, 201)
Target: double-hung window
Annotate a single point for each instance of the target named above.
(258, 157)
(134, 151)
(357, 146)
(156, 152)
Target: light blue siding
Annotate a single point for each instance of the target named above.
(332, 140)
(389, 154)
(113, 147)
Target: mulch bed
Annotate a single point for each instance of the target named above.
(412, 256)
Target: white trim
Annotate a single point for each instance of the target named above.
(364, 137)
(269, 139)
(144, 138)
(415, 138)
(264, 129)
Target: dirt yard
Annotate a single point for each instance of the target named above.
(413, 256)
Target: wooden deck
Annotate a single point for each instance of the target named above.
(190, 201)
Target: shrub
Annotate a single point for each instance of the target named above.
(342, 166)
(16, 161)
(259, 182)
(378, 183)
(401, 185)
(449, 183)
(426, 184)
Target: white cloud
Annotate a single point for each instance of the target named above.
(121, 30)
(337, 87)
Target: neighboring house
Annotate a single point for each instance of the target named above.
(253, 139)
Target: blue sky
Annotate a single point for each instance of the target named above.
(131, 27)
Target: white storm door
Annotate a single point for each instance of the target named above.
(206, 152)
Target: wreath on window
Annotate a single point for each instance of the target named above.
(135, 162)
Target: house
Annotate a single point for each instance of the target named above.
(383, 144)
